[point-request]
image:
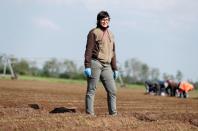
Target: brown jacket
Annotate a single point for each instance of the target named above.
(100, 46)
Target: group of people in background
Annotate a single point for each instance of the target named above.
(169, 88)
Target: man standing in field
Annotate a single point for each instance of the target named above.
(100, 63)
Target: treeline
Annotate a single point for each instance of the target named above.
(51, 68)
(132, 71)
(136, 71)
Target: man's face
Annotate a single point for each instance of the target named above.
(105, 22)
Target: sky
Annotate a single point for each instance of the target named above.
(160, 33)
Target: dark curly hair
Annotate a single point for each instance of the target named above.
(101, 15)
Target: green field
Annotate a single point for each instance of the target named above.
(70, 81)
(54, 80)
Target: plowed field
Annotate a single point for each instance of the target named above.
(136, 111)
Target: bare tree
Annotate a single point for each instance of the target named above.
(168, 76)
(144, 72)
(154, 73)
(51, 68)
(133, 68)
(70, 66)
(137, 70)
(179, 75)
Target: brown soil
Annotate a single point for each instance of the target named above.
(26, 105)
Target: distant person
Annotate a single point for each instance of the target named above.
(100, 63)
(172, 88)
(150, 87)
(184, 88)
(161, 87)
(155, 88)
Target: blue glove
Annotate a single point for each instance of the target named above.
(87, 72)
(115, 74)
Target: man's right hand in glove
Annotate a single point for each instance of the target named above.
(87, 72)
